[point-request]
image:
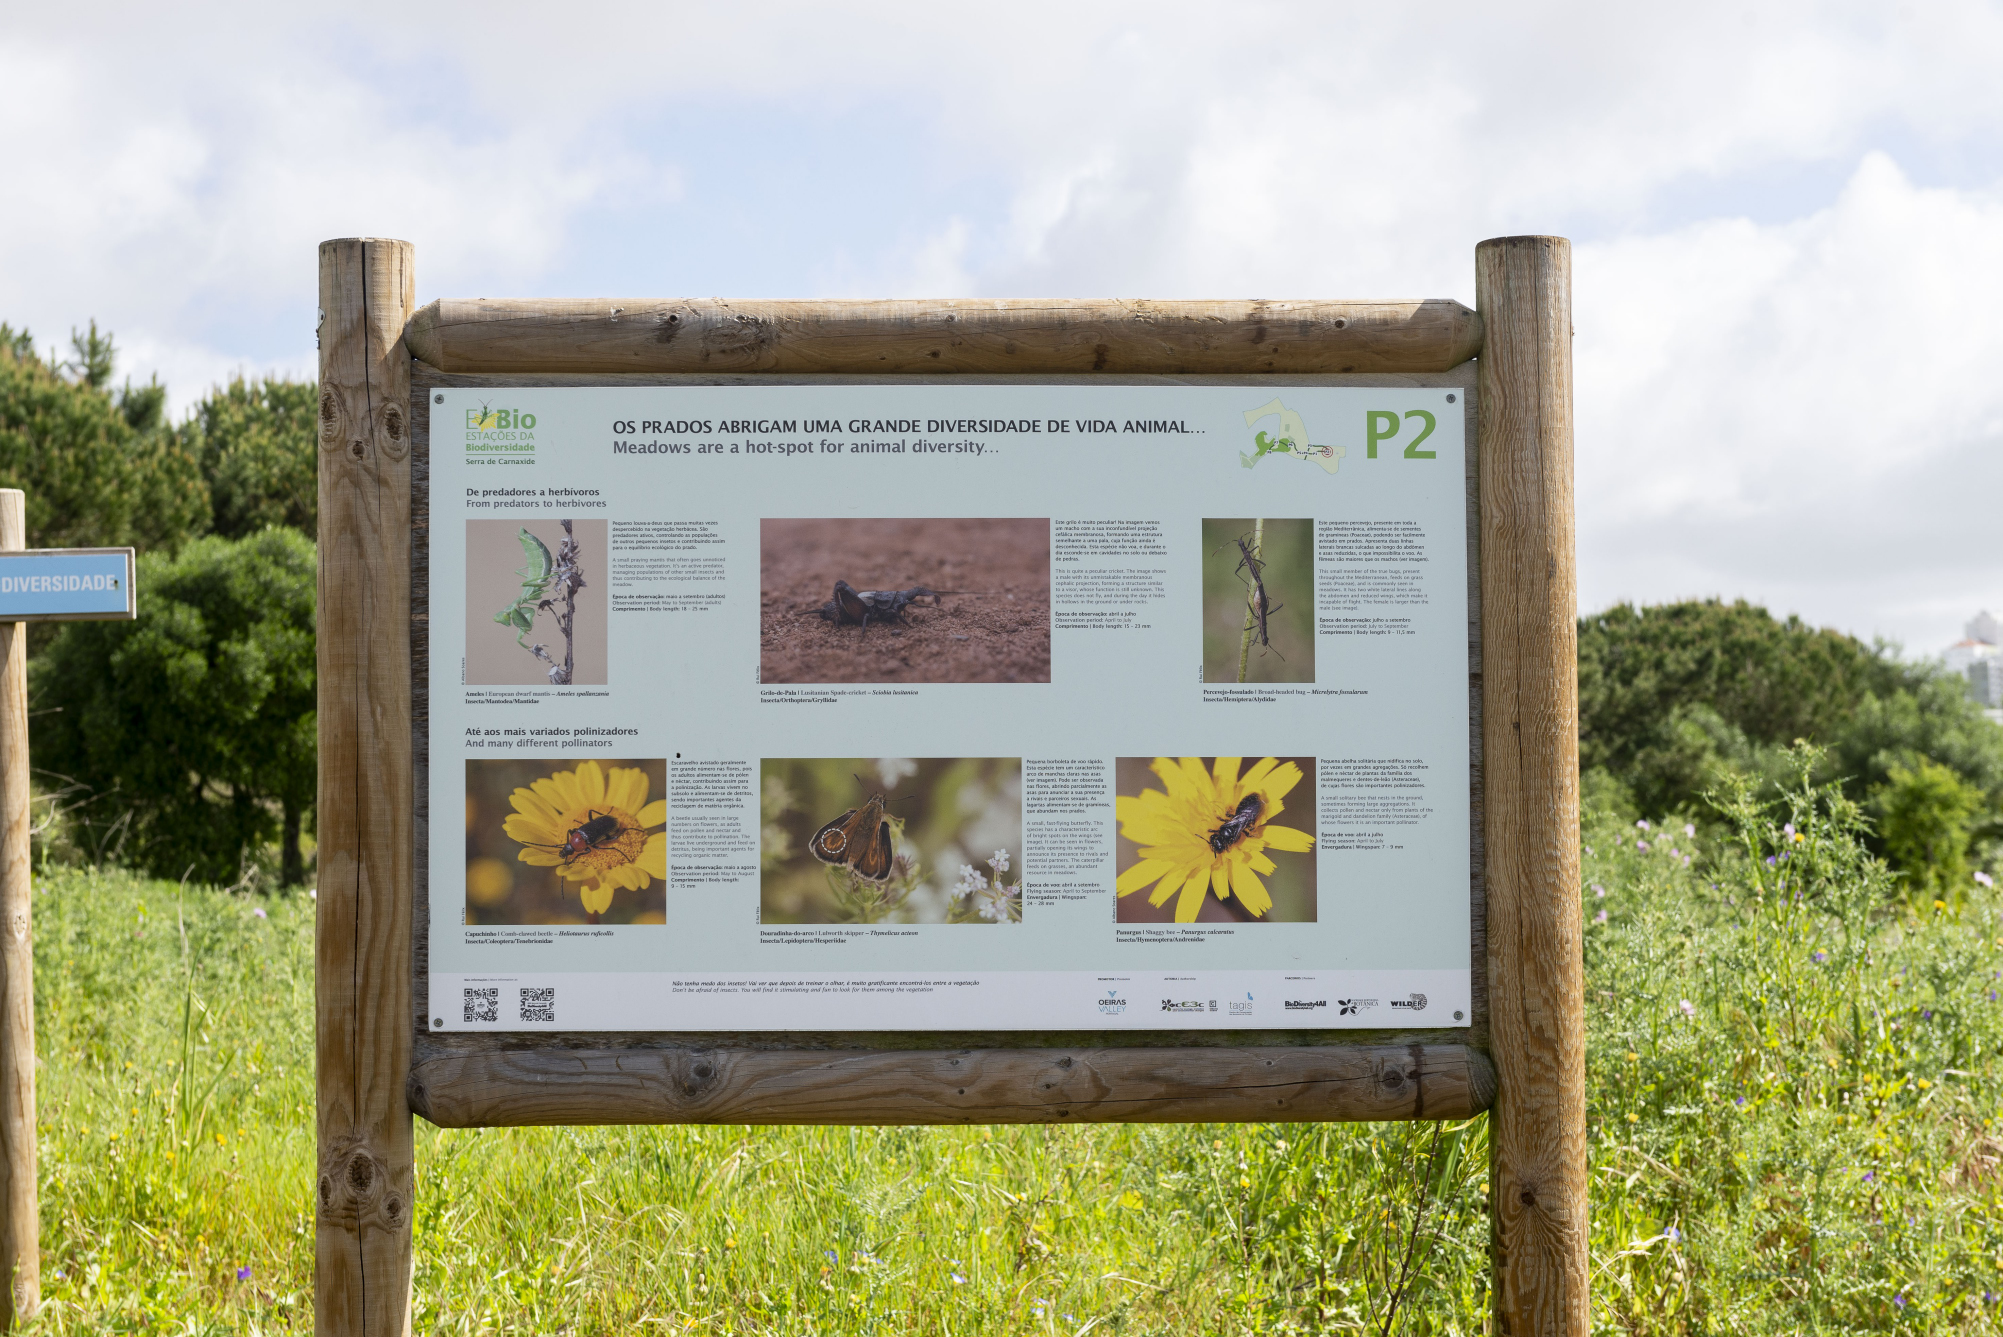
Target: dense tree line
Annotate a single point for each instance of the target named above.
(182, 742)
(1675, 699)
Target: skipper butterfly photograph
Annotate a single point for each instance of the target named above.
(890, 840)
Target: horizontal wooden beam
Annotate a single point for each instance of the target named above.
(943, 336)
(629, 1086)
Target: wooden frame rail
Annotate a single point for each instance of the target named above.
(377, 1061)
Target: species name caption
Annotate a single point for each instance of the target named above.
(913, 436)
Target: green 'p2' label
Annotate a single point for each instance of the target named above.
(1412, 451)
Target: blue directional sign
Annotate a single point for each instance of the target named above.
(67, 585)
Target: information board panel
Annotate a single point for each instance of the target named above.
(1167, 687)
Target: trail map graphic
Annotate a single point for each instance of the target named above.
(1289, 437)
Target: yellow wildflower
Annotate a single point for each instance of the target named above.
(1174, 831)
(553, 822)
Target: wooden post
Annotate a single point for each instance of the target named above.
(1530, 734)
(20, 1213)
(362, 935)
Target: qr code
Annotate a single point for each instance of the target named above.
(483, 1004)
(538, 1004)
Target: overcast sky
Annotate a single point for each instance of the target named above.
(1787, 218)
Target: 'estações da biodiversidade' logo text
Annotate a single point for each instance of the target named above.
(505, 435)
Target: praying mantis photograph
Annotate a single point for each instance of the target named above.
(535, 602)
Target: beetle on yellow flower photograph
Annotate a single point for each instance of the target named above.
(1200, 840)
(565, 842)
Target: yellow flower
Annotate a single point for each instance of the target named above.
(551, 810)
(1173, 831)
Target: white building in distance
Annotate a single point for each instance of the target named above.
(1978, 657)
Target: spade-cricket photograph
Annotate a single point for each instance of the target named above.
(904, 600)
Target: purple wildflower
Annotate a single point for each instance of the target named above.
(259, 912)
(1870, 1176)
(243, 1273)
(1601, 918)
(1819, 957)
(1740, 1102)
(1689, 829)
(1599, 892)
(1788, 829)
(1641, 826)
(1641, 844)
(1687, 1008)
(1672, 1234)
(1984, 878)
(1900, 1299)
(1770, 861)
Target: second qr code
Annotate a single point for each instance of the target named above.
(539, 1004)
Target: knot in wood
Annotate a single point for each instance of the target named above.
(329, 411)
(393, 1210)
(1393, 1078)
(1342, 322)
(702, 1071)
(393, 423)
(355, 449)
(326, 1191)
(1529, 1197)
(361, 1172)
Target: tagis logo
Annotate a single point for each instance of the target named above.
(1415, 1003)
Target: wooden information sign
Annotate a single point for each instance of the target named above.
(413, 399)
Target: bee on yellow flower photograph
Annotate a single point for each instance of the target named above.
(551, 841)
(1216, 840)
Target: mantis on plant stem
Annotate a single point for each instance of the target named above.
(537, 571)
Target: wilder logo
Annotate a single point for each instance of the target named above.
(500, 431)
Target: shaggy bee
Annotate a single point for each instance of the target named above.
(1238, 823)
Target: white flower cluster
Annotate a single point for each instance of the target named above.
(991, 899)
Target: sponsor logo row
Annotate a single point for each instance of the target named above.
(1113, 1005)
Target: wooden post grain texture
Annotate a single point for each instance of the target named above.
(362, 932)
(943, 336)
(20, 1213)
(511, 1088)
(1523, 287)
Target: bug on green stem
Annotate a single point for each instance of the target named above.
(538, 569)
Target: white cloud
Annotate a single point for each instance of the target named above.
(1804, 411)
(1781, 347)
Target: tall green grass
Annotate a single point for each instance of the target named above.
(1793, 1087)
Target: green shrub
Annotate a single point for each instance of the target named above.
(192, 728)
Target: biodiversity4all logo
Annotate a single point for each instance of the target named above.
(503, 431)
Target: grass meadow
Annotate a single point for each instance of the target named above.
(1793, 1091)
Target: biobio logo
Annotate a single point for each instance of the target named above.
(484, 419)
(500, 431)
